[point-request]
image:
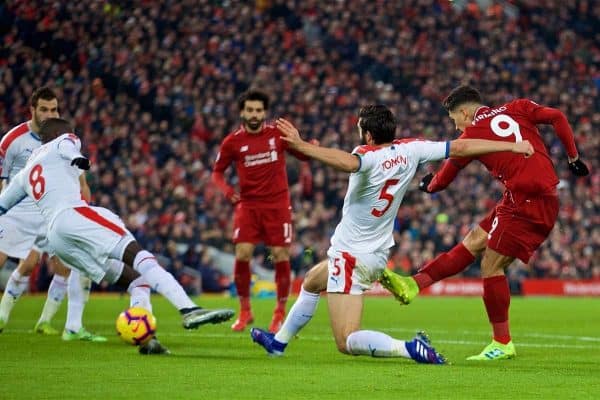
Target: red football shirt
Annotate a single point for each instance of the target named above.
(514, 121)
(260, 165)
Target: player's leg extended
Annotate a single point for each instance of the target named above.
(242, 277)
(163, 282)
(283, 273)
(300, 314)
(345, 313)
(16, 285)
(496, 298)
(56, 294)
(139, 290)
(405, 289)
(78, 288)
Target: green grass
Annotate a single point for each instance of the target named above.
(558, 345)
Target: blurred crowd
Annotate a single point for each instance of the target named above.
(152, 85)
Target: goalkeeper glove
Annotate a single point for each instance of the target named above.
(424, 184)
(578, 168)
(81, 163)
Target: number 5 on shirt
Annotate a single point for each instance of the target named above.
(384, 195)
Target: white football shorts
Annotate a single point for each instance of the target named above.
(353, 273)
(86, 237)
(22, 229)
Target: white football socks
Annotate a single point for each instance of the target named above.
(375, 344)
(299, 315)
(161, 281)
(56, 294)
(15, 287)
(79, 293)
(139, 291)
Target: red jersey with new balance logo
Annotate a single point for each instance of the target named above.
(260, 164)
(514, 122)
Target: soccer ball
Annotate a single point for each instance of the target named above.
(136, 325)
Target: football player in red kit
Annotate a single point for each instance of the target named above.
(262, 205)
(518, 224)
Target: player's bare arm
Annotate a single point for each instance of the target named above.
(338, 159)
(474, 147)
(86, 193)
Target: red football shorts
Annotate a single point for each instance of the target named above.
(519, 224)
(271, 226)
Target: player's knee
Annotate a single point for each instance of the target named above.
(475, 241)
(315, 280)
(280, 254)
(59, 268)
(243, 252)
(26, 266)
(309, 281)
(491, 266)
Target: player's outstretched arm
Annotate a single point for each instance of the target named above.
(12, 194)
(338, 159)
(558, 120)
(475, 147)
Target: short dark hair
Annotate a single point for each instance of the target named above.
(379, 121)
(253, 95)
(461, 95)
(52, 128)
(44, 93)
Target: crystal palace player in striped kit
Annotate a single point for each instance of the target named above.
(87, 237)
(23, 232)
(518, 224)
(262, 206)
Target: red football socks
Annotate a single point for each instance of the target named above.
(496, 297)
(283, 282)
(444, 265)
(241, 277)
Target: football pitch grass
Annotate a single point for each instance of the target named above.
(557, 339)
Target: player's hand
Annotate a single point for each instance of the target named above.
(579, 168)
(234, 198)
(424, 184)
(81, 163)
(315, 142)
(524, 148)
(289, 131)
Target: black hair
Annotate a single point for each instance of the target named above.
(52, 128)
(253, 95)
(461, 95)
(44, 93)
(379, 121)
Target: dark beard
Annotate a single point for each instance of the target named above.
(252, 125)
(36, 120)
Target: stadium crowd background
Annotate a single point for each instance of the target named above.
(152, 89)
